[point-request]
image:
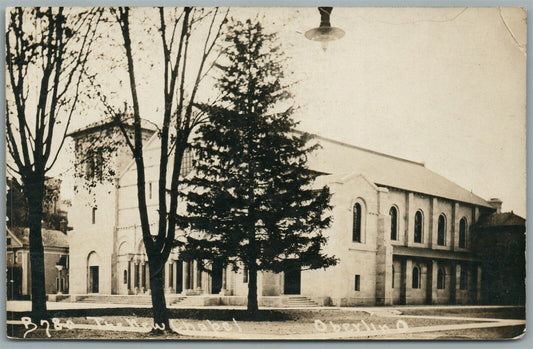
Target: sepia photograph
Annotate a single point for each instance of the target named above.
(265, 173)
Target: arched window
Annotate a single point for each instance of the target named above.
(416, 277)
(441, 279)
(463, 279)
(418, 226)
(393, 212)
(356, 230)
(441, 231)
(462, 233)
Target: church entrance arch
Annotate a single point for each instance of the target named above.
(93, 273)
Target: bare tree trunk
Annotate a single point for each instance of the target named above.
(158, 247)
(34, 188)
(252, 289)
(252, 265)
(157, 288)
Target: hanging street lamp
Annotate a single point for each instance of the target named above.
(325, 32)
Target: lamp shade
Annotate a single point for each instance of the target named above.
(325, 32)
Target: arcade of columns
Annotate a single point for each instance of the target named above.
(190, 281)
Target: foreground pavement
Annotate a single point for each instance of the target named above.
(456, 326)
(25, 306)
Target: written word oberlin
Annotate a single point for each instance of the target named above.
(359, 326)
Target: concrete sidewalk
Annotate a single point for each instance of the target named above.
(25, 306)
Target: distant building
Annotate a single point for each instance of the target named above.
(54, 207)
(500, 241)
(403, 235)
(56, 262)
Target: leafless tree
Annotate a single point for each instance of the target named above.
(179, 119)
(47, 50)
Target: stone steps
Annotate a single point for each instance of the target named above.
(112, 299)
(300, 301)
(176, 299)
(184, 301)
(118, 299)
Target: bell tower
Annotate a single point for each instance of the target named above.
(101, 155)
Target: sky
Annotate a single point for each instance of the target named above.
(443, 86)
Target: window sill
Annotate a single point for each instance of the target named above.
(356, 246)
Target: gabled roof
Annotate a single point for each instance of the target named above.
(387, 170)
(54, 238)
(105, 123)
(15, 237)
(51, 238)
(507, 219)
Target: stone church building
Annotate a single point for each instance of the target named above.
(402, 234)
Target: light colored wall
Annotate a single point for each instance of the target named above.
(87, 237)
(442, 296)
(416, 295)
(468, 213)
(338, 282)
(100, 237)
(397, 282)
(420, 203)
(431, 208)
(397, 198)
(464, 296)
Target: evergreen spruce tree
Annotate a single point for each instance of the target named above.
(251, 202)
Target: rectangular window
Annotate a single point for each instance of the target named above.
(89, 167)
(8, 241)
(57, 284)
(150, 190)
(245, 275)
(130, 269)
(186, 163)
(94, 166)
(358, 282)
(93, 219)
(136, 276)
(171, 275)
(463, 280)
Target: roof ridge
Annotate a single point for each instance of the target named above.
(361, 148)
(106, 122)
(466, 190)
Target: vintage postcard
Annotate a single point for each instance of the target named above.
(309, 173)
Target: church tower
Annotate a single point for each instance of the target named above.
(101, 155)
